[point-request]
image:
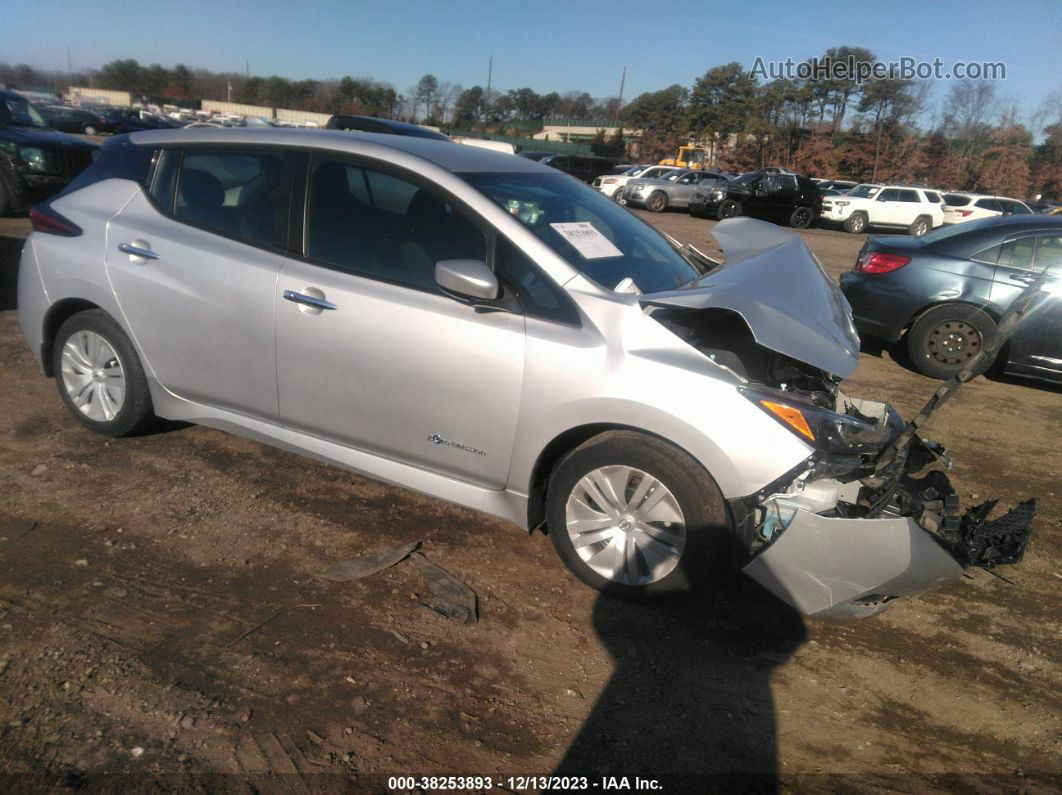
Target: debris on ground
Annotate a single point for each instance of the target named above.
(452, 598)
(347, 570)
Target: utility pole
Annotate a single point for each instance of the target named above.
(247, 68)
(623, 80)
(486, 97)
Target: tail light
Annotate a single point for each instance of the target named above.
(964, 213)
(880, 262)
(47, 220)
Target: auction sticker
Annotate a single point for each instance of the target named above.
(587, 240)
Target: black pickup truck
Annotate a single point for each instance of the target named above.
(770, 194)
(36, 162)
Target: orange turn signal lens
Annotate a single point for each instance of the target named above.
(792, 417)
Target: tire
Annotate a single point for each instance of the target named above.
(802, 217)
(689, 517)
(728, 208)
(117, 403)
(919, 226)
(946, 338)
(856, 223)
(657, 202)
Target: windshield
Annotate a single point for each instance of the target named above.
(864, 191)
(594, 235)
(17, 111)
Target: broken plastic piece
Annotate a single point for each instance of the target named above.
(347, 570)
(999, 542)
(452, 598)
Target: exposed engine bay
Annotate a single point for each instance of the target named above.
(868, 466)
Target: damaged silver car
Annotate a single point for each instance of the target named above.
(482, 329)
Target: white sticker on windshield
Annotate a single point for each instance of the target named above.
(587, 240)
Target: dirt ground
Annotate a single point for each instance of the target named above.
(160, 616)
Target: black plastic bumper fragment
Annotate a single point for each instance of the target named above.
(999, 542)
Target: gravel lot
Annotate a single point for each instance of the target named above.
(160, 615)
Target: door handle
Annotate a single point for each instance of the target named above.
(308, 300)
(137, 251)
(1024, 278)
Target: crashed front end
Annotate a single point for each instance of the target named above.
(846, 532)
(869, 515)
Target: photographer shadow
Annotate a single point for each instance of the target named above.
(690, 701)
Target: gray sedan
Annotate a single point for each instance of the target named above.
(676, 190)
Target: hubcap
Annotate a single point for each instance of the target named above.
(953, 342)
(625, 525)
(93, 376)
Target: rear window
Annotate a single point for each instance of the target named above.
(955, 200)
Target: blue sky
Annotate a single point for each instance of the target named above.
(579, 44)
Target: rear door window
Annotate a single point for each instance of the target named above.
(909, 196)
(1019, 253)
(240, 194)
(989, 204)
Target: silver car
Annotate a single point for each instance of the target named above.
(480, 328)
(674, 190)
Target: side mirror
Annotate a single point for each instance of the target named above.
(467, 278)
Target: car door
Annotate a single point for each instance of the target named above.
(1036, 347)
(681, 191)
(194, 264)
(370, 353)
(887, 208)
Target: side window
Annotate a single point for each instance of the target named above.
(988, 255)
(241, 194)
(688, 179)
(989, 204)
(889, 195)
(1049, 253)
(165, 181)
(395, 230)
(537, 293)
(908, 196)
(932, 197)
(1018, 253)
(1019, 209)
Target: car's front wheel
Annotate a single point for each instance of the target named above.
(947, 338)
(633, 516)
(801, 218)
(657, 202)
(99, 375)
(728, 209)
(856, 223)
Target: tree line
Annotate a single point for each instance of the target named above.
(824, 127)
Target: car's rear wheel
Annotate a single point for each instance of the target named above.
(947, 338)
(657, 202)
(801, 218)
(633, 516)
(856, 223)
(919, 226)
(728, 209)
(99, 375)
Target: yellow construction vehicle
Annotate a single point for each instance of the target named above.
(689, 156)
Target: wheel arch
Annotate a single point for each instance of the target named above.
(989, 309)
(564, 443)
(57, 314)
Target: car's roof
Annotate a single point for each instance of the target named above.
(445, 154)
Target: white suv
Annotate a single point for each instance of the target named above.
(917, 210)
(608, 184)
(962, 206)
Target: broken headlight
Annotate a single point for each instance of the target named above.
(829, 431)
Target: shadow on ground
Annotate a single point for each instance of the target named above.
(690, 701)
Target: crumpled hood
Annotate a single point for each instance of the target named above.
(775, 283)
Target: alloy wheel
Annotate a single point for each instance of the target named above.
(93, 376)
(625, 525)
